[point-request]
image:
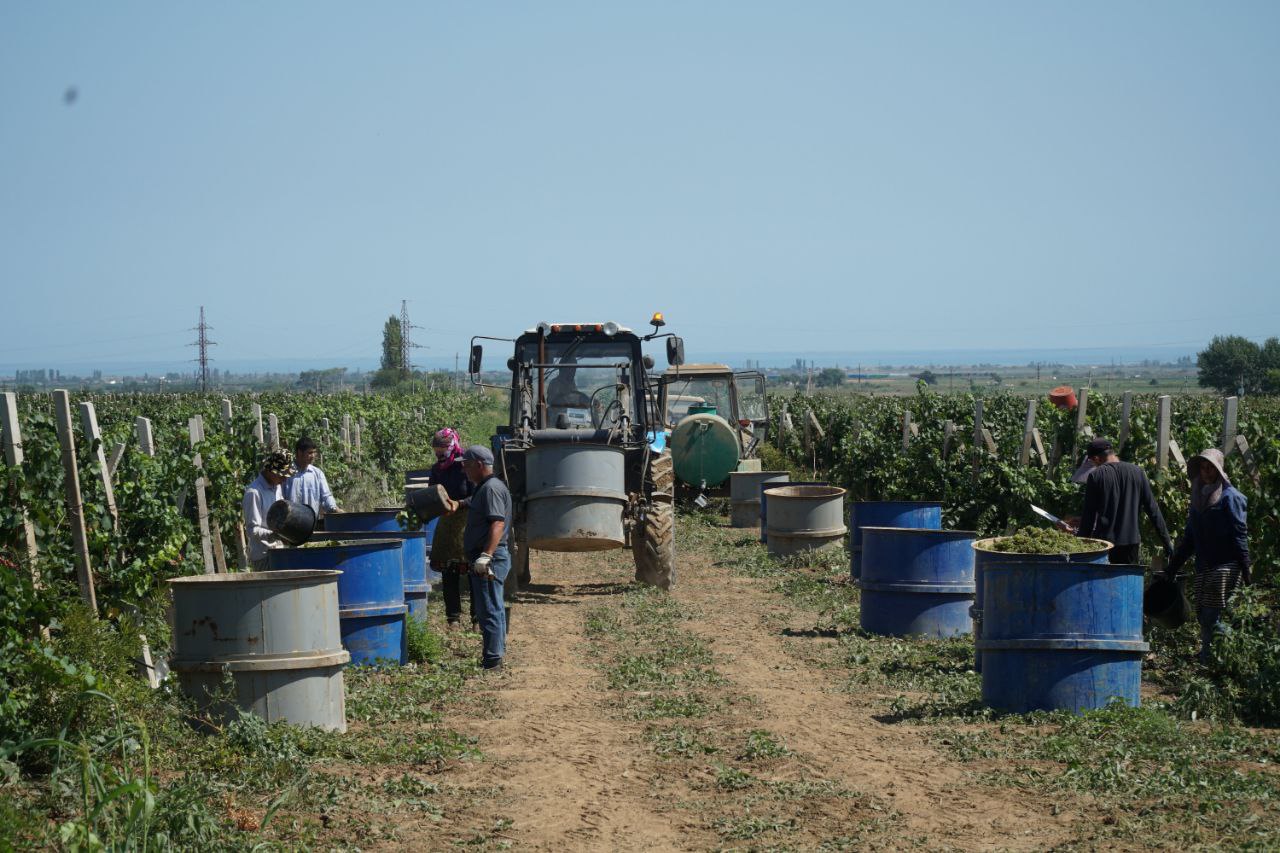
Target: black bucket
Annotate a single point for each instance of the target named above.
(428, 503)
(292, 522)
(1164, 604)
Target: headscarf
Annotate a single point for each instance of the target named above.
(455, 446)
(1205, 495)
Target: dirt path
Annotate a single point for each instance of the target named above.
(565, 768)
(569, 774)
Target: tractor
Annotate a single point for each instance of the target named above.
(584, 452)
(716, 420)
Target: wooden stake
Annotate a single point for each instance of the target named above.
(1230, 410)
(1038, 443)
(346, 438)
(75, 503)
(93, 435)
(1024, 457)
(1250, 464)
(13, 457)
(1082, 397)
(989, 440)
(195, 429)
(948, 433)
(117, 453)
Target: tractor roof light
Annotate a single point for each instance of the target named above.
(657, 320)
(556, 327)
(610, 328)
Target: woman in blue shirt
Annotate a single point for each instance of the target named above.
(1217, 533)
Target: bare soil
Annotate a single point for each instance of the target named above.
(564, 767)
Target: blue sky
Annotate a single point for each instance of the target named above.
(773, 176)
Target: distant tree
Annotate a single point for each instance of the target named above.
(392, 340)
(393, 370)
(928, 377)
(830, 377)
(1231, 362)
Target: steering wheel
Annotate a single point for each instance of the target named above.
(604, 415)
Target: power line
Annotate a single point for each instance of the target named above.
(406, 342)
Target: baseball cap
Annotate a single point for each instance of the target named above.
(478, 453)
(1098, 447)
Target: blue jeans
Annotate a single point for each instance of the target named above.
(486, 595)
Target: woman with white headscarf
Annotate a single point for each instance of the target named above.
(1218, 535)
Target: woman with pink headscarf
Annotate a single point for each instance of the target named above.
(1217, 533)
(447, 555)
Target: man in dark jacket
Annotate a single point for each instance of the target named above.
(1114, 491)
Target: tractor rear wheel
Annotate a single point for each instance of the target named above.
(654, 546)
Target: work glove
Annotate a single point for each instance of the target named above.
(481, 566)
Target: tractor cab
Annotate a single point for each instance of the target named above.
(582, 451)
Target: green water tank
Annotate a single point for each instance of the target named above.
(704, 449)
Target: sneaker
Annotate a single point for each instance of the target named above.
(496, 666)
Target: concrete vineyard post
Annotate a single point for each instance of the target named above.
(14, 457)
(346, 438)
(75, 503)
(1176, 452)
(1230, 411)
(273, 427)
(948, 433)
(1126, 409)
(146, 444)
(256, 411)
(977, 437)
(1024, 457)
(195, 429)
(93, 435)
(355, 439)
(324, 427)
(1163, 414)
(906, 429)
(226, 416)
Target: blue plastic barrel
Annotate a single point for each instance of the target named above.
(764, 514)
(917, 582)
(983, 556)
(413, 555)
(381, 520)
(1061, 636)
(371, 606)
(918, 515)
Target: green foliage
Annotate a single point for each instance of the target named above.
(1243, 682)
(1231, 362)
(424, 645)
(989, 494)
